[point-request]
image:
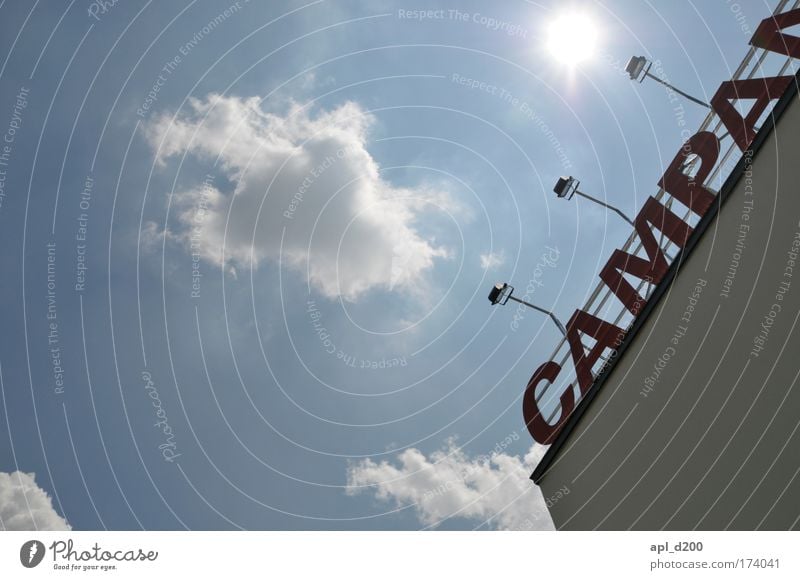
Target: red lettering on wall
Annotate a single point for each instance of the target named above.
(538, 427)
(742, 129)
(622, 262)
(690, 190)
(606, 335)
(653, 269)
(768, 35)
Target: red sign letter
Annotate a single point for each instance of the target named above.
(539, 428)
(622, 262)
(689, 190)
(606, 335)
(768, 35)
(762, 90)
(673, 227)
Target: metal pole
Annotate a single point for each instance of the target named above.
(677, 90)
(604, 204)
(550, 314)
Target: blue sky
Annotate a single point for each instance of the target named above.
(338, 367)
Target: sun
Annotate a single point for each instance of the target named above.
(571, 38)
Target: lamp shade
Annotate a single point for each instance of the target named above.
(566, 186)
(500, 293)
(635, 66)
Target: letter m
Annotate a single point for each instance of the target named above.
(687, 190)
(655, 265)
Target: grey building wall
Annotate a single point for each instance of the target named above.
(697, 424)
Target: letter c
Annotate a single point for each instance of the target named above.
(541, 431)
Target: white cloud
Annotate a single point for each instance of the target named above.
(327, 211)
(492, 260)
(152, 237)
(494, 489)
(26, 506)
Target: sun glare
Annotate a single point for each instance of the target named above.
(571, 38)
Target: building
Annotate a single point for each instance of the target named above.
(691, 417)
